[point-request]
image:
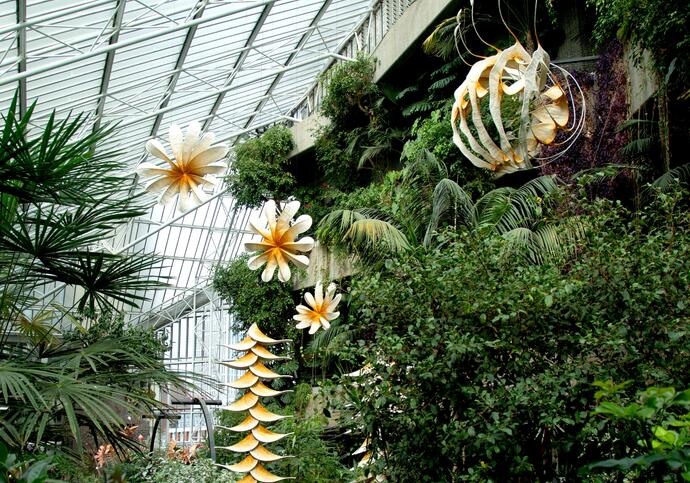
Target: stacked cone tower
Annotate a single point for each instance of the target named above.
(252, 381)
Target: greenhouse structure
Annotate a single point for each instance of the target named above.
(344, 240)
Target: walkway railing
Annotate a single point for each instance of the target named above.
(365, 37)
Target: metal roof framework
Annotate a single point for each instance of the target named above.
(236, 66)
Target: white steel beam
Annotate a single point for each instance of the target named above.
(109, 59)
(21, 55)
(300, 45)
(170, 90)
(239, 63)
(133, 41)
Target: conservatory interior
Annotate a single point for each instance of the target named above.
(344, 240)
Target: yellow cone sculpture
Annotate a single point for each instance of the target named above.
(255, 354)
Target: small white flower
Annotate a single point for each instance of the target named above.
(321, 311)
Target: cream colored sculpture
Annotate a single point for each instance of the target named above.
(255, 354)
(279, 244)
(193, 163)
(530, 102)
(321, 309)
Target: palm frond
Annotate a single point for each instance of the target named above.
(364, 232)
(672, 179)
(449, 197)
(505, 209)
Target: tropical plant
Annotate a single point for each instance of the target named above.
(61, 199)
(260, 169)
(251, 301)
(517, 214)
(487, 375)
(655, 425)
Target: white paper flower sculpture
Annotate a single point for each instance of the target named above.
(279, 244)
(321, 311)
(193, 163)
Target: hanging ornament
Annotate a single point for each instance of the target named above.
(195, 159)
(321, 309)
(531, 103)
(278, 245)
(255, 354)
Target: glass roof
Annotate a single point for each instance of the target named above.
(235, 66)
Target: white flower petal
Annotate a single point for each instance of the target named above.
(301, 261)
(288, 213)
(186, 201)
(150, 169)
(204, 143)
(314, 327)
(211, 169)
(326, 324)
(155, 148)
(157, 186)
(267, 274)
(191, 139)
(334, 303)
(318, 294)
(309, 298)
(303, 325)
(211, 155)
(257, 261)
(301, 317)
(169, 193)
(269, 213)
(303, 245)
(302, 309)
(302, 224)
(332, 315)
(283, 270)
(176, 139)
(256, 246)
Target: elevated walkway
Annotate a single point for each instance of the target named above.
(405, 32)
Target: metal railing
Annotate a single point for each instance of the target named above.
(365, 37)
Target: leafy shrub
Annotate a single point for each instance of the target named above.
(259, 171)
(159, 469)
(661, 26)
(434, 134)
(482, 367)
(653, 426)
(270, 305)
(140, 340)
(352, 96)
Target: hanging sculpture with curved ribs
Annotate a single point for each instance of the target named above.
(512, 104)
(255, 354)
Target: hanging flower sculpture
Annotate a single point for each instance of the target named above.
(195, 159)
(532, 103)
(278, 244)
(321, 310)
(255, 354)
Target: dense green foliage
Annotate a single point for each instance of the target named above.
(352, 97)
(660, 26)
(69, 376)
(653, 425)
(489, 374)
(270, 305)
(259, 171)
